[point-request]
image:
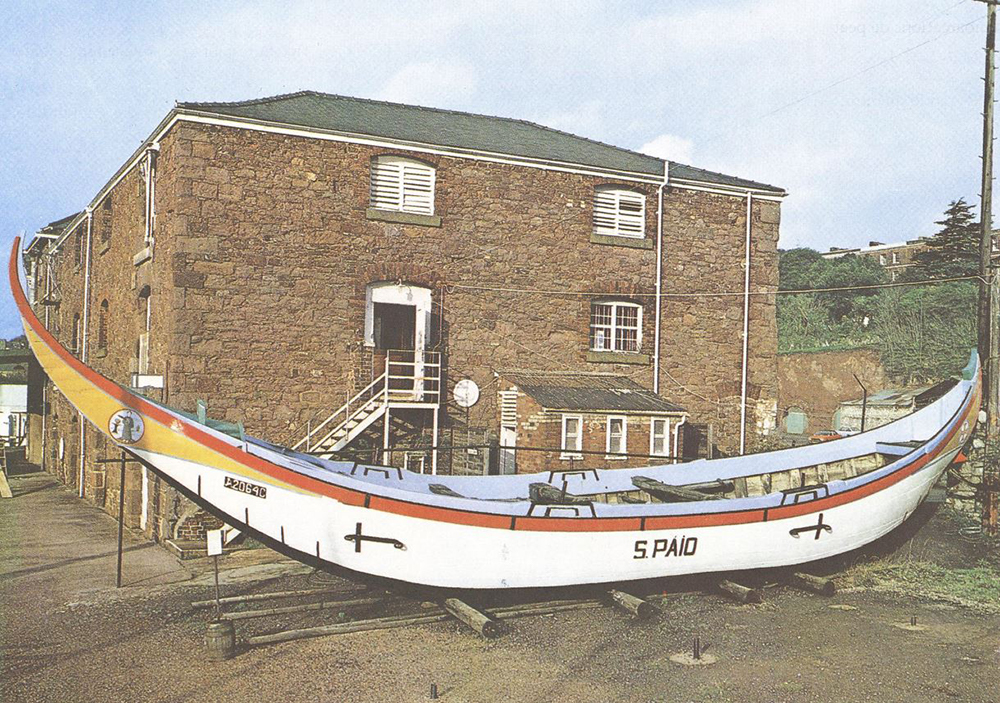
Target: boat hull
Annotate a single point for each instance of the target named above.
(383, 530)
(449, 555)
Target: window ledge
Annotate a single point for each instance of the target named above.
(144, 255)
(100, 353)
(403, 218)
(615, 457)
(103, 246)
(570, 457)
(617, 241)
(610, 357)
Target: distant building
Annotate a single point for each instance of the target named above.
(885, 406)
(894, 258)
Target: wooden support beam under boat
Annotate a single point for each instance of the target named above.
(640, 609)
(281, 610)
(666, 492)
(741, 594)
(816, 584)
(303, 593)
(487, 628)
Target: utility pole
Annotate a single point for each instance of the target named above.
(989, 295)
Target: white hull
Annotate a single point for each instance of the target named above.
(462, 556)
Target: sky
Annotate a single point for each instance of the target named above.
(868, 112)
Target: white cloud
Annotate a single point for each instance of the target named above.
(670, 147)
(586, 119)
(431, 83)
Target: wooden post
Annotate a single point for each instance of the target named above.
(121, 519)
(816, 584)
(741, 594)
(486, 627)
(639, 608)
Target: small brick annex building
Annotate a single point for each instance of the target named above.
(265, 256)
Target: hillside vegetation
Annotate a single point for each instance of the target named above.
(922, 332)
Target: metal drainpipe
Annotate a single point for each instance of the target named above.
(677, 431)
(746, 328)
(83, 342)
(45, 383)
(659, 278)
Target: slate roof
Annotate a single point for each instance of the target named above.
(449, 128)
(589, 392)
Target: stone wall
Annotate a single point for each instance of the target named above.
(818, 382)
(279, 223)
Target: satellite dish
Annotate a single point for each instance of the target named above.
(466, 393)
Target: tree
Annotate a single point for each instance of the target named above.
(795, 268)
(952, 252)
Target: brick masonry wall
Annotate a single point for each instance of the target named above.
(540, 428)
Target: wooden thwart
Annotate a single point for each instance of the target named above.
(741, 594)
(669, 493)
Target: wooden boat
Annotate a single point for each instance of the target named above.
(552, 529)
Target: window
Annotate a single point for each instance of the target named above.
(881, 259)
(615, 327)
(619, 213)
(659, 436)
(102, 325)
(895, 257)
(402, 184)
(572, 437)
(617, 438)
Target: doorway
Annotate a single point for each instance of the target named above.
(394, 326)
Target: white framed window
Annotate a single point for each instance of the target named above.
(572, 437)
(659, 436)
(895, 257)
(401, 184)
(617, 437)
(619, 213)
(615, 327)
(881, 259)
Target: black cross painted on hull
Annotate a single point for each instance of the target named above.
(819, 527)
(358, 538)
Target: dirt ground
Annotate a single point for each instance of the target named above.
(66, 633)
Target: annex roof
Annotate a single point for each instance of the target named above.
(589, 392)
(449, 128)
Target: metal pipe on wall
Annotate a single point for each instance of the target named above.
(746, 327)
(83, 341)
(659, 277)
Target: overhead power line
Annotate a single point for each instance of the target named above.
(710, 294)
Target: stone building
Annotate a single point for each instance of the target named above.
(269, 258)
(894, 258)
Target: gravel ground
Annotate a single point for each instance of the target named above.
(66, 634)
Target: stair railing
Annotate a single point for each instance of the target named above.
(371, 391)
